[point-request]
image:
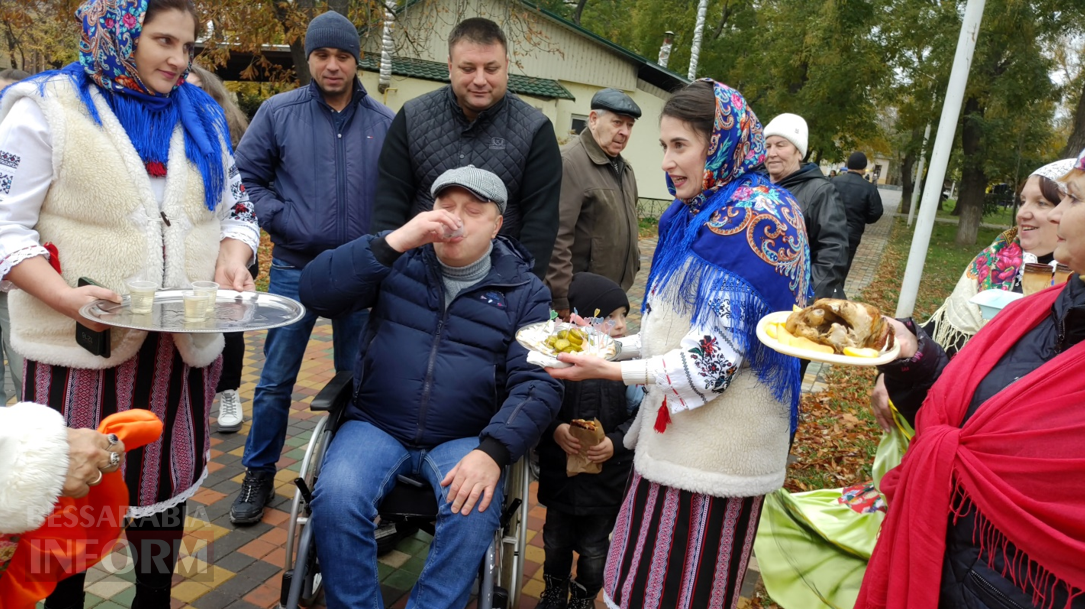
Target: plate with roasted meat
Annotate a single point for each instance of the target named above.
(832, 331)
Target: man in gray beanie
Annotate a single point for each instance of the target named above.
(446, 393)
(309, 163)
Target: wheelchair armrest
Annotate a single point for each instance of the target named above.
(337, 391)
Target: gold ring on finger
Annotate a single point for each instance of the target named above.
(97, 480)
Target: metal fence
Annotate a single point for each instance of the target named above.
(652, 208)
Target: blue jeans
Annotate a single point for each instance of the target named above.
(284, 349)
(359, 470)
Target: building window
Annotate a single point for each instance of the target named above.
(580, 122)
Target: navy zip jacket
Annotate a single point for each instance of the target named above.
(427, 374)
(312, 181)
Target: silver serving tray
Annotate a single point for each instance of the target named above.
(234, 312)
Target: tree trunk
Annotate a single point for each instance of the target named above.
(973, 178)
(1077, 135)
(297, 46)
(907, 184)
(301, 61)
(579, 11)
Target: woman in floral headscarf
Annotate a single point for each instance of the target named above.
(114, 169)
(712, 434)
(999, 266)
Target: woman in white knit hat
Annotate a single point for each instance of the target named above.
(786, 139)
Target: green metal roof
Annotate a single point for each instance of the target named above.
(432, 70)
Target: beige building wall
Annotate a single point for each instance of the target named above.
(538, 46)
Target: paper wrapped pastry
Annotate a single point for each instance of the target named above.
(588, 433)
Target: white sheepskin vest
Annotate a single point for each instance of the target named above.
(103, 217)
(734, 446)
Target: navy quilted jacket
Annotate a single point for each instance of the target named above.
(430, 374)
(313, 183)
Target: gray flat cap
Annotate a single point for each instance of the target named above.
(483, 184)
(616, 102)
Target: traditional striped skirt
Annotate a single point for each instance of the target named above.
(673, 549)
(169, 471)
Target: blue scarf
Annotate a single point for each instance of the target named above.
(111, 30)
(738, 251)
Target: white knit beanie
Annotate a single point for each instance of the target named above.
(792, 128)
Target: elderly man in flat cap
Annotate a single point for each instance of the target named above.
(597, 229)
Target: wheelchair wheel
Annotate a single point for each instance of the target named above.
(514, 536)
(301, 561)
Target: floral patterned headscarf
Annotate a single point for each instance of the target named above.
(108, 45)
(736, 146)
(107, 69)
(738, 250)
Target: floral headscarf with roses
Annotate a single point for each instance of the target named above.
(108, 45)
(107, 67)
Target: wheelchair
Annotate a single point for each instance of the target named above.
(411, 503)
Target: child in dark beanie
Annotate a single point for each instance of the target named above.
(581, 510)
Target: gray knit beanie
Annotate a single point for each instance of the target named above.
(332, 31)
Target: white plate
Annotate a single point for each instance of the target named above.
(991, 302)
(815, 356)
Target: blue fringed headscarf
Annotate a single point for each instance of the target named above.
(111, 30)
(738, 251)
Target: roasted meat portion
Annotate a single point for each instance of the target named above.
(840, 324)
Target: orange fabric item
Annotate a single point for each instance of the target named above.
(80, 532)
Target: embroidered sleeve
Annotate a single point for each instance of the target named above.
(26, 172)
(240, 222)
(695, 373)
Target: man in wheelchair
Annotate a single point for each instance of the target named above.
(444, 393)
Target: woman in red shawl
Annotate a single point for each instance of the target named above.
(989, 501)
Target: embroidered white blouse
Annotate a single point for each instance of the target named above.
(26, 172)
(695, 373)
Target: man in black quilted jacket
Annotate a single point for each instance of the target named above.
(474, 121)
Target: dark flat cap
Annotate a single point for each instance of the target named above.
(616, 102)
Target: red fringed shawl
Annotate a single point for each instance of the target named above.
(1020, 459)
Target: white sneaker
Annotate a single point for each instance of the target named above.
(230, 414)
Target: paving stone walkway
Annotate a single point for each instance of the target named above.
(224, 567)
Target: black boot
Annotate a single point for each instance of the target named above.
(580, 599)
(556, 594)
(256, 491)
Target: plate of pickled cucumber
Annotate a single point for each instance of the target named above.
(555, 336)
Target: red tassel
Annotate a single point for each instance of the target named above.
(663, 417)
(54, 256)
(156, 169)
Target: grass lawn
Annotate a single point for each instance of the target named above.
(1002, 217)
